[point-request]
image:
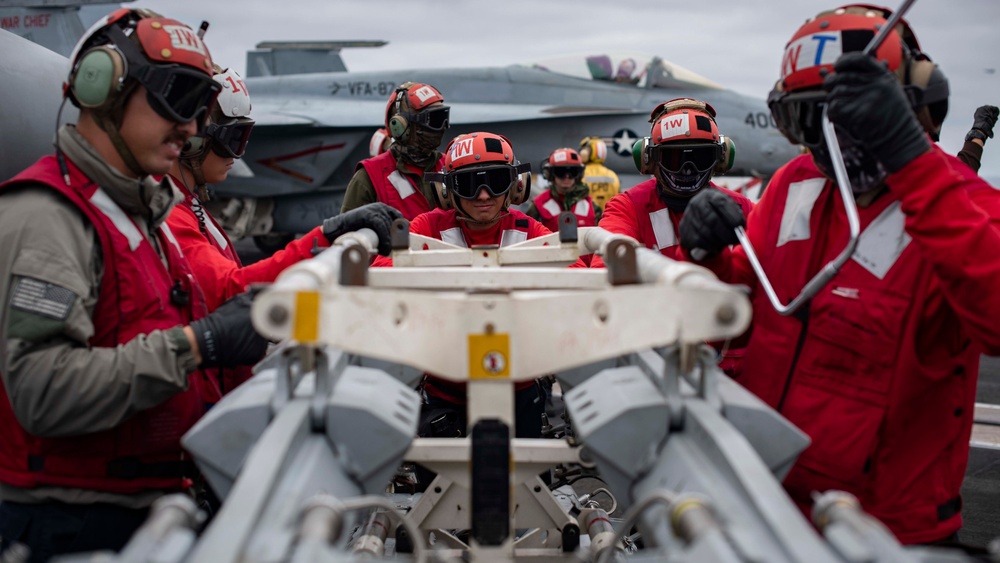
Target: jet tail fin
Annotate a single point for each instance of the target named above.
(276, 58)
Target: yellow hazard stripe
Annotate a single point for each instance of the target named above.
(306, 325)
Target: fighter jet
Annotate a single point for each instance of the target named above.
(314, 124)
(315, 118)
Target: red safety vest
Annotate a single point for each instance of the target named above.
(144, 452)
(889, 414)
(395, 189)
(549, 208)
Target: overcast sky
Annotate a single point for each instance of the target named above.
(736, 43)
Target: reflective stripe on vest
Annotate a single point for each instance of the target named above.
(663, 229)
(510, 237)
(403, 186)
(582, 208)
(103, 202)
(552, 207)
(798, 209)
(454, 236)
(170, 236)
(882, 242)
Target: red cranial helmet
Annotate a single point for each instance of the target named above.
(813, 49)
(563, 163)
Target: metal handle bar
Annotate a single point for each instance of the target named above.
(844, 184)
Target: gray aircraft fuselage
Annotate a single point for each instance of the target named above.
(314, 128)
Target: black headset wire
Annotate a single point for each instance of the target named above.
(60, 157)
(196, 206)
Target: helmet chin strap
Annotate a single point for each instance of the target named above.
(105, 122)
(109, 120)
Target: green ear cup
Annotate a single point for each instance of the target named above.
(397, 126)
(637, 149)
(193, 147)
(94, 77)
(728, 156)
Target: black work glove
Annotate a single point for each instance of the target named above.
(985, 119)
(226, 337)
(709, 223)
(868, 103)
(376, 216)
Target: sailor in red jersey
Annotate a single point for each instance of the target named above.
(481, 179)
(416, 120)
(879, 367)
(684, 149)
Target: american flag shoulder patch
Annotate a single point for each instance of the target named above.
(42, 298)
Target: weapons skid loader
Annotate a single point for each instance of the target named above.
(303, 453)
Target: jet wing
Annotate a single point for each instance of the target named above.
(324, 112)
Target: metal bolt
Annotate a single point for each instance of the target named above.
(278, 315)
(725, 314)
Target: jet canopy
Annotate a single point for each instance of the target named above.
(624, 67)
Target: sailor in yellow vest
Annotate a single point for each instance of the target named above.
(601, 180)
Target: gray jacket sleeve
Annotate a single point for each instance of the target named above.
(57, 384)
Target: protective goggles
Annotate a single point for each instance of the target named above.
(176, 92)
(229, 139)
(434, 119)
(675, 158)
(799, 115)
(574, 172)
(466, 183)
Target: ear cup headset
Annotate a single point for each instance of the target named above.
(398, 124)
(99, 75)
(923, 81)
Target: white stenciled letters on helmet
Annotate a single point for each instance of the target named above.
(424, 93)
